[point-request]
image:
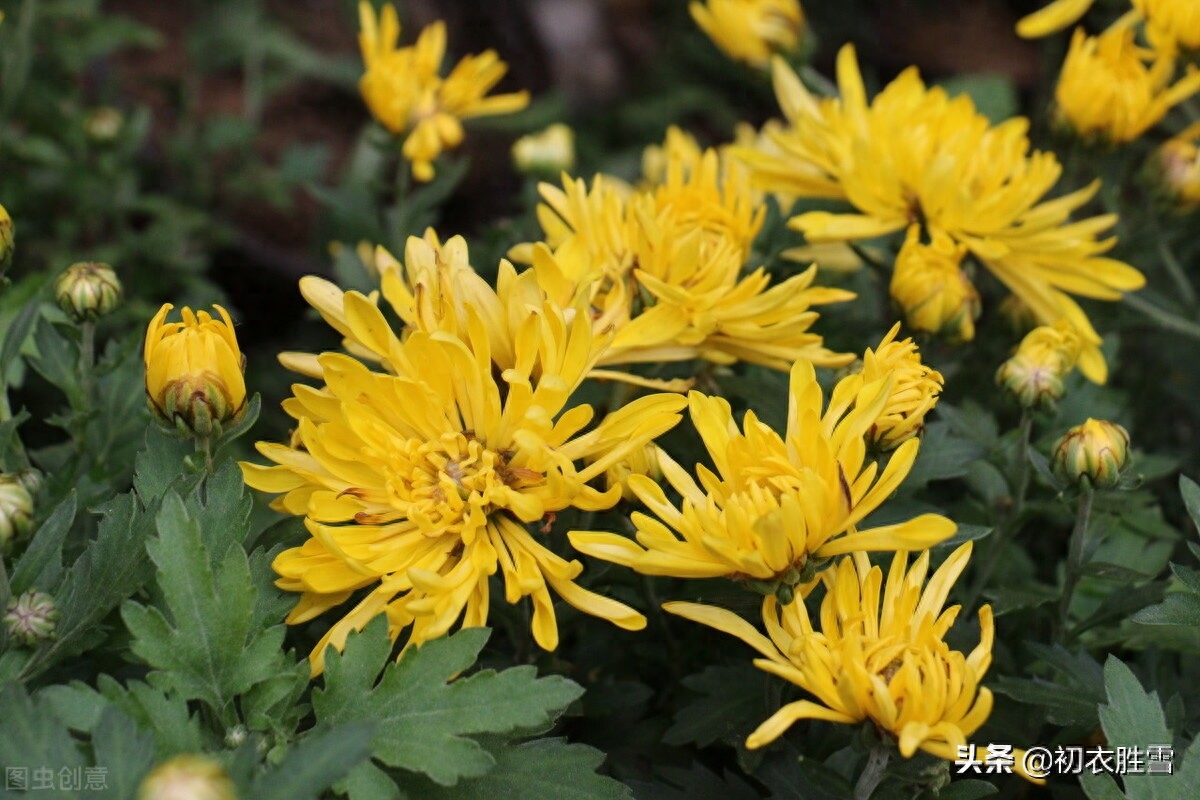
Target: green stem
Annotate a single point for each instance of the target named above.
(1164, 318)
(87, 359)
(204, 445)
(872, 773)
(1186, 292)
(1074, 559)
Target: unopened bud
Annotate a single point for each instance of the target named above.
(188, 777)
(16, 511)
(1175, 169)
(931, 288)
(546, 153)
(31, 618)
(1035, 375)
(104, 124)
(1094, 453)
(87, 290)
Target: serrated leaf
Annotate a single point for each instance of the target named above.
(789, 774)
(44, 553)
(125, 753)
(369, 782)
(159, 464)
(1062, 707)
(316, 763)
(221, 508)
(32, 736)
(542, 769)
(1134, 718)
(695, 783)
(730, 699)
(206, 647)
(425, 716)
(56, 359)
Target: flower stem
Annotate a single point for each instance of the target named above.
(1164, 318)
(204, 445)
(1074, 559)
(87, 358)
(872, 773)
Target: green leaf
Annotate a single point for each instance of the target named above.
(1063, 707)
(315, 764)
(17, 332)
(1100, 786)
(206, 647)
(56, 360)
(963, 790)
(32, 736)
(369, 782)
(542, 769)
(1177, 608)
(159, 464)
(220, 505)
(730, 702)
(1191, 498)
(125, 753)
(994, 95)
(44, 555)
(425, 716)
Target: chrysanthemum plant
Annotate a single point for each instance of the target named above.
(826, 459)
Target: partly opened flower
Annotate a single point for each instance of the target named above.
(777, 506)
(1176, 166)
(194, 371)
(878, 654)
(1113, 90)
(751, 30)
(912, 156)
(913, 393)
(931, 288)
(421, 482)
(1034, 375)
(406, 92)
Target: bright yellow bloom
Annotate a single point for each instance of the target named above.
(751, 30)
(1171, 24)
(405, 91)
(914, 155)
(194, 371)
(663, 266)
(551, 150)
(777, 506)
(1035, 373)
(913, 393)
(1092, 453)
(639, 462)
(420, 482)
(879, 654)
(930, 286)
(1112, 90)
(1052, 18)
(1178, 166)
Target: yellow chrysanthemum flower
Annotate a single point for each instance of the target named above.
(913, 394)
(1112, 90)
(405, 91)
(194, 370)
(1034, 375)
(931, 288)
(879, 654)
(1178, 166)
(421, 481)
(751, 30)
(914, 155)
(777, 506)
(1171, 24)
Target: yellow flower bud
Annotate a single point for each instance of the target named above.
(1176, 168)
(915, 390)
(751, 31)
(1094, 452)
(1047, 354)
(929, 285)
(87, 290)
(188, 777)
(194, 371)
(643, 461)
(7, 240)
(16, 511)
(549, 152)
(104, 124)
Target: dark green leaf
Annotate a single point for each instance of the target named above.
(963, 790)
(1191, 498)
(124, 752)
(44, 555)
(1177, 608)
(315, 764)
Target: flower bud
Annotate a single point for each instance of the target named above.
(915, 390)
(7, 240)
(31, 618)
(550, 152)
(31, 478)
(194, 370)
(87, 290)
(1094, 452)
(16, 511)
(1047, 354)
(188, 777)
(930, 286)
(643, 461)
(1175, 168)
(103, 125)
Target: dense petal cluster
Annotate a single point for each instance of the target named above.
(751, 30)
(779, 506)
(914, 155)
(405, 91)
(1113, 90)
(663, 266)
(418, 482)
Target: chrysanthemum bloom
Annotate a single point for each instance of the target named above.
(1111, 90)
(751, 30)
(1170, 24)
(420, 482)
(194, 370)
(914, 155)
(931, 288)
(1176, 168)
(663, 266)
(913, 393)
(1093, 453)
(777, 506)
(405, 91)
(1034, 375)
(879, 654)
(639, 462)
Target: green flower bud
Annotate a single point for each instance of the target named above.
(1094, 452)
(7, 239)
(31, 479)
(188, 777)
(103, 125)
(16, 511)
(31, 618)
(87, 290)
(1033, 385)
